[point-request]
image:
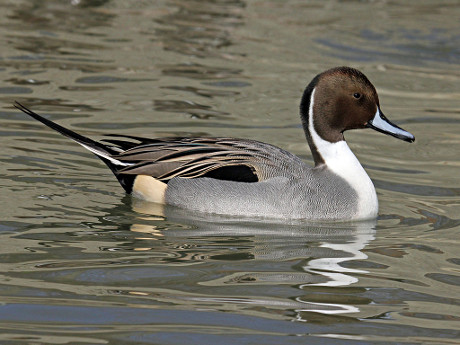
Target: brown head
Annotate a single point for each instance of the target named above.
(340, 99)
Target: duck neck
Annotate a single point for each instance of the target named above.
(324, 152)
(306, 115)
(339, 158)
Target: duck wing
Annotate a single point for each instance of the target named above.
(220, 158)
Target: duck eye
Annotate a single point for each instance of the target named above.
(357, 95)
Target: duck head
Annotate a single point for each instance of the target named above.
(340, 99)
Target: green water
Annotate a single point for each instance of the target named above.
(81, 263)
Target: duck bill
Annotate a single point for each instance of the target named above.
(381, 124)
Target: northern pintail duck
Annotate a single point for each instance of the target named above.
(251, 178)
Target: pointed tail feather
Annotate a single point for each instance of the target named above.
(92, 145)
(105, 153)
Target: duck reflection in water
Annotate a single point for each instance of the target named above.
(293, 255)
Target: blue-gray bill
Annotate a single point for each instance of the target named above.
(381, 124)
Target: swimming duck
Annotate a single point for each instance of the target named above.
(245, 177)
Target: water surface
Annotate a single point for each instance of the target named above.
(81, 263)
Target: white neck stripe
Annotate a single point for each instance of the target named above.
(340, 159)
(328, 151)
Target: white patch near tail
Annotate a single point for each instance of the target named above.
(104, 155)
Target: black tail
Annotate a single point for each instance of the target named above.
(105, 153)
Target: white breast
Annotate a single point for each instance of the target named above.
(341, 160)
